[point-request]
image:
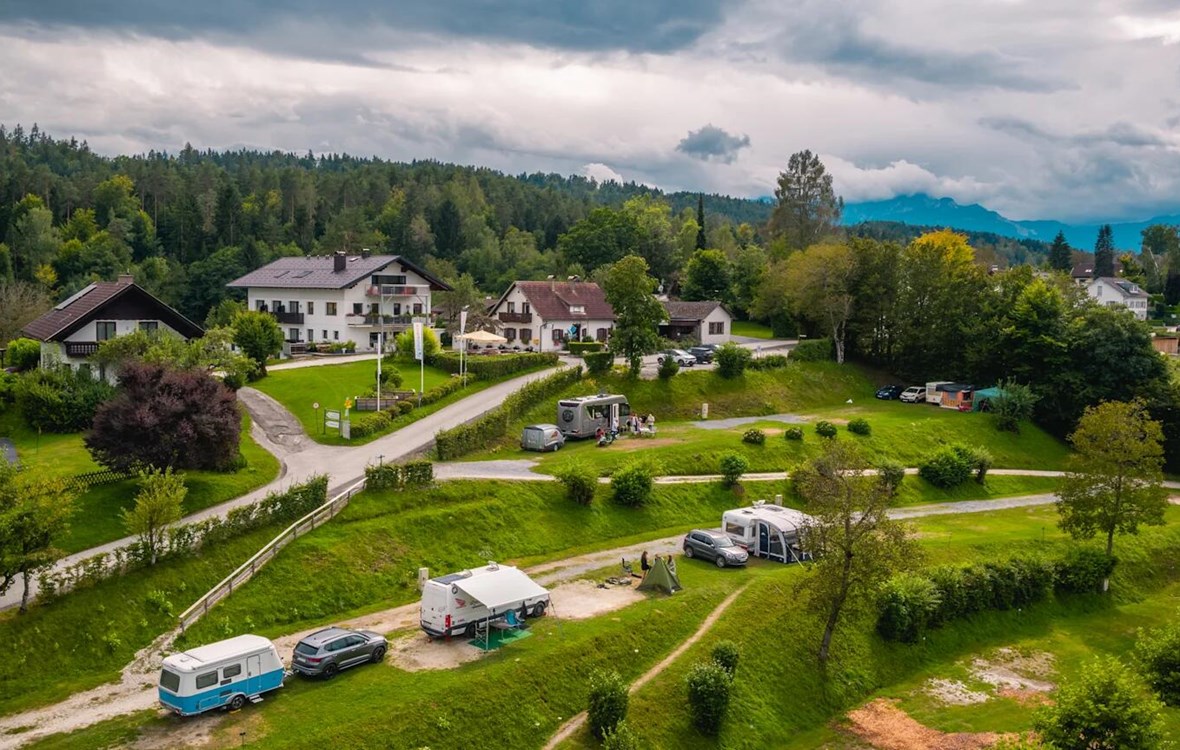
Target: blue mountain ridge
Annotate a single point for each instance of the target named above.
(924, 210)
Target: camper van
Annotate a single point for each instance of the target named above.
(227, 673)
(460, 602)
(582, 416)
(767, 530)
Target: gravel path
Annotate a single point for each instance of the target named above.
(725, 424)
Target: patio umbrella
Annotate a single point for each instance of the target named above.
(483, 337)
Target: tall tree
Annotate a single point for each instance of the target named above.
(706, 277)
(855, 545)
(1104, 252)
(259, 336)
(875, 287)
(1163, 241)
(819, 287)
(34, 515)
(808, 210)
(701, 221)
(1115, 481)
(629, 290)
(157, 506)
(749, 268)
(1060, 254)
(20, 304)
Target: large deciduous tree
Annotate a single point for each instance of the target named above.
(1060, 254)
(166, 418)
(604, 236)
(1104, 252)
(34, 514)
(259, 336)
(808, 210)
(706, 276)
(629, 290)
(20, 304)
(819, 287)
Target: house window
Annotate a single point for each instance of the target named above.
(524, 308)
(600, 334)
(294, 334)
(717, 328)
(294, 306)
(329, 308)
(357, 308)
(397, 308)
(149, 325)
(260, 305)
(417, 308)
(325, 334)
(104, 330)
(511, 307)
(510, 334)
(577, 309)
(558, 335)
(526, 335)
(335, 335)
(311, 334)
(311, 308)
(276, 306)
(374, 308)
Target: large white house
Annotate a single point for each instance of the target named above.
(1113, 292)
(339, 298)
(545, 314)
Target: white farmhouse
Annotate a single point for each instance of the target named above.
(339, 298)
(545, 314)
(705, 322)
(1113, 292)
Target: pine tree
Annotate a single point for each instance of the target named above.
(701, 221)
(1060, 254)
(1104, 252)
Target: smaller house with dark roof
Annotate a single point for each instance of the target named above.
(546, 314)
(706, 322)
(71, 332)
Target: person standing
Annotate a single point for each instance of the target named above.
(644, 565)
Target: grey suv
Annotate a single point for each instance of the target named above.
(715, 546)
(325, 652)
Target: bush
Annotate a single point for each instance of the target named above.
(491, 368)
(622, 738)
(860, 426)
(814, 350)
(946, 469)
(733, 465)
(769, 362)
(1104, 708)
(708, 695)
(1158, 653)
(369, 423)
(598, 362)
(584, 347)
(668, 368)
(399, 476)
(632, 484)
(906, 608)
(24, 354)
(580, 483)
(391, 377)
(793, 433)
(731, 360)
(1082, 571)
(890, 474)
(826, 429)
(1013, 406)
(403, 407)
(59, 399)
(754, 436)
(979, 459)
(607, 703)
(404, 344)
(725, 655)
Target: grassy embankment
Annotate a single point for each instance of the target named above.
(751, 329)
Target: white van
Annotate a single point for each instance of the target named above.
(460, 602)
(227, 673)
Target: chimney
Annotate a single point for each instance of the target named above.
(366, 253)
(125, 279)
(339, 261)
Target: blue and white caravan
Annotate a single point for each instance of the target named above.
(226, 673)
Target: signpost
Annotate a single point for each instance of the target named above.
(463, 345)
(419, 323)
(380, 356)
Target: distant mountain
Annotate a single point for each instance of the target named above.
(923, 210)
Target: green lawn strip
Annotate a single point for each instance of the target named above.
(56, 454)
(751, 329)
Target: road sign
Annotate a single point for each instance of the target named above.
(315, 404)
(331, 418)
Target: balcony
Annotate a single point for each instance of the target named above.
(81, 348)
(392, 290)
(513, 317)
(376, 321)
(290, 318)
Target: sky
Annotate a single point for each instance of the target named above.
(1035, 108)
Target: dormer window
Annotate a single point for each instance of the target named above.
(577, 309)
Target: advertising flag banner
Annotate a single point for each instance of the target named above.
(418, 339)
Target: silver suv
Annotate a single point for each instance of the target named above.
(715, 546)
(325, 652)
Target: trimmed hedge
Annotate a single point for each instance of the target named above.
(814, 350)
(731, 360)
(496, 366)
(950, 466)
(584, 347)
(475, 435)
(768, 362)
(399, 476)
(24, 354)
(598, 362)
(60, 399)
(607, 702)
(708, 695)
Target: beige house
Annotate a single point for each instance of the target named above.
(546, 314)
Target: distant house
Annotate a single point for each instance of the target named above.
(1165, 344)
(703, 322)
(340, 297)
(545, 314)
(1083, 271)
(1113, 292)
(71, 332)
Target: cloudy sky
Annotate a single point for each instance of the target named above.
(1035, 108)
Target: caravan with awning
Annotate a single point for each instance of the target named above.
(460, 603)
(768, 530)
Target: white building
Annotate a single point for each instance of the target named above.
(337, 298)
(706, 322)
(1113, 292)
(545, 314)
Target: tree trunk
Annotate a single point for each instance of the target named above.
(1109, 551)
(24, 595)
(834, 612)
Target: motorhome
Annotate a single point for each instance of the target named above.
(460, 603)
(223, 674)
(767, 530)
(582, 416)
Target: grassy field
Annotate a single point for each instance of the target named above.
(751, 329)
(96, 519)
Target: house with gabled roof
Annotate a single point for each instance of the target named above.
(71, 332)
(341, 297)
(704, 322)
(1112, 292)
(546, 314)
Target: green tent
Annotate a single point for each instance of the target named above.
(985, 396)
(660, 577)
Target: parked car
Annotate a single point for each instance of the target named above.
(325, 652)
(715, 546)
(704, 353)
(890, 392)
(541, 437)
(679, 356)
(915, 394)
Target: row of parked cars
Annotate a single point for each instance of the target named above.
(702, 354)
(912, 395)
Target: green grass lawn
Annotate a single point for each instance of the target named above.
(751, 329)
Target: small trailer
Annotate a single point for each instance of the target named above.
(223, 674)
(582, 416)
(461, 603)
(934, 392)
(541, 437)
(767, 530)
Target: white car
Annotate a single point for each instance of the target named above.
(679, 356)
(913, 395)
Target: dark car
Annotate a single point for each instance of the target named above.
(325, 652)
(715, 546)
(704, 353)
(890, 392)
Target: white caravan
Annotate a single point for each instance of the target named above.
(227, 673)
(458, 603)
(767, 530)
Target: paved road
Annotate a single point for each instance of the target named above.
(725, 424)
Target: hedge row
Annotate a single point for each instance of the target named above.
(470, 437)
(399, 476)
(598, 362)
(497, 366)
(584, 347)
(814, 350)
(768, 362)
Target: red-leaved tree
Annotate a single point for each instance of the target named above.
(166, 418)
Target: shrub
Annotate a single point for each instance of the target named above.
(1082, 571)
(258, 335)
(769, 362)
(24, 354)
(403, 407)
(369, 423)
(60, 399)
(1013, 406)
(489, 368)
(410, 474)
(404, 344)
(793, 433)
(814, 350)
(580, 483)
(668, 368)
(906, 608)
(947, 468)
(731, 360)
(1103, 708)
(607, 703)
(979, 459)
(1158, 652)
(584, 347)
(391, 377)
(733, 465)
(708, 695)
(860, 426)
(622, 738)
(826, 429)
(598, 362)
(632, 484)
(891, 474)
(725, 655)
(754, 436)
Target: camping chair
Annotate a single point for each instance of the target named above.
(629, 569)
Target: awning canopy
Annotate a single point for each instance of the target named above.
(483, 337)
(501, 588)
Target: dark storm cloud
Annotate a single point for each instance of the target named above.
(1117, 134)
(648, 26)
(711, 143)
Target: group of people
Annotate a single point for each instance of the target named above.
(636, 425)
(645, 564)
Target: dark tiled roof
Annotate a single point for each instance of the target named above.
(690, 311)
(88, 303)
(552, 299)
(1128, 288)
(315, 272)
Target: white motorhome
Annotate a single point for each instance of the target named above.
(767, 530)
(227, 673)
(461, 602)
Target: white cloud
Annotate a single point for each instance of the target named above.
(602, 173)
